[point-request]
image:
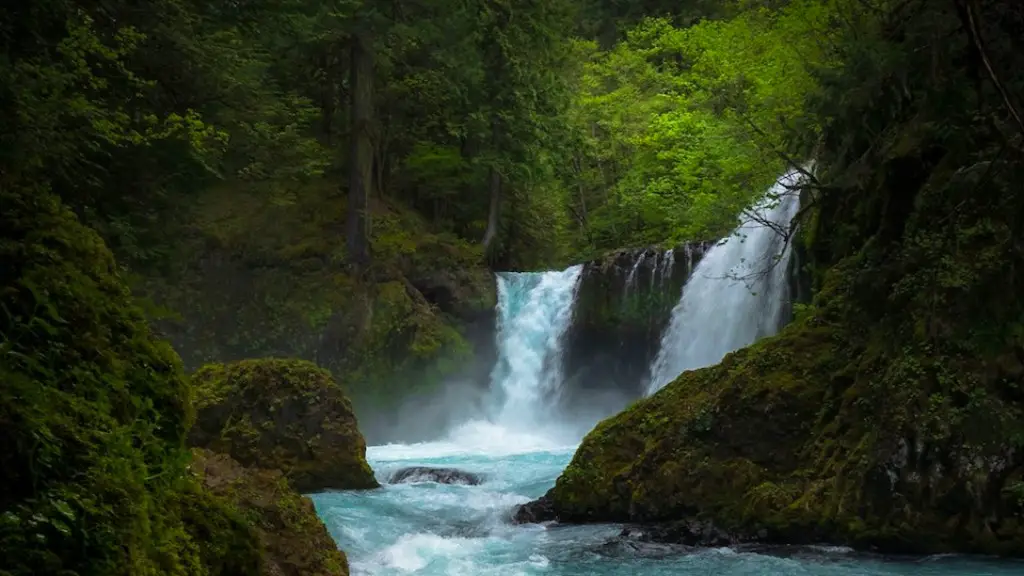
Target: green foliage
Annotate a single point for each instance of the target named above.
(680, 129)
(94, 408)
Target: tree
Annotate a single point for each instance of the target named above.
(361, 149)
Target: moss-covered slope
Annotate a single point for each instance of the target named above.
(844, 428)
(94, 412)
(286, 415)
(93, 408)
(285, 529)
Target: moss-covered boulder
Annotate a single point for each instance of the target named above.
(286, 415)
(93, 408)
(282, 524)
(813, 435)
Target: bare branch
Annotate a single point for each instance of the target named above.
(971, 24)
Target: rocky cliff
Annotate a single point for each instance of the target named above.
(623, 304)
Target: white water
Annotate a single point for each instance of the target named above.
(736, 294)
(534, 312)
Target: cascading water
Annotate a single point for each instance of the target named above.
(534, 312)
(736, 294)
(437, 529)
(630, 284)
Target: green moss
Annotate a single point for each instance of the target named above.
(286, 415)
(93, 416)
(93, 408)
(260, 519)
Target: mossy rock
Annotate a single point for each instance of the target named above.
(282, 525)
(889, 416)
(700, 443)
(286, 415)
(93, 408)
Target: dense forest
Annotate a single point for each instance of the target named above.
(336, 181)
(269, 180)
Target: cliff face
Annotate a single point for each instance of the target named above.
(889, 415)
(623, 304)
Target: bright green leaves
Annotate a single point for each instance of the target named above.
(683, 127)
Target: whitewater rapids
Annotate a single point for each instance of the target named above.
(455, 530)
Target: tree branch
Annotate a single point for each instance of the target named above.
(971, 24)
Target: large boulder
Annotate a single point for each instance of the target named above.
(286, 415)
(290, 538)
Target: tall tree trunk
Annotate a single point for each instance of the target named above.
(495, 190)
(360, 178)
(493, 212)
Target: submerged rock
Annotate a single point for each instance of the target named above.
(286, 415)
(439, 475)
(689, 532)
(291, 538)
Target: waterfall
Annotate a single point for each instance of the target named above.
(534, 312)
(631, 277)
(668, 264)
(735, 295)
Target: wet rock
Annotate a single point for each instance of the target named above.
(540, 510)
(627, 545)
(689, 532)
(624, 302)
(439, 475)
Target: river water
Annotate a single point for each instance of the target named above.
(437, 529)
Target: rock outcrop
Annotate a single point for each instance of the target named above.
(794, 440)
(285, 531)
(623, 304)
(286, 415)
(439, 475)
